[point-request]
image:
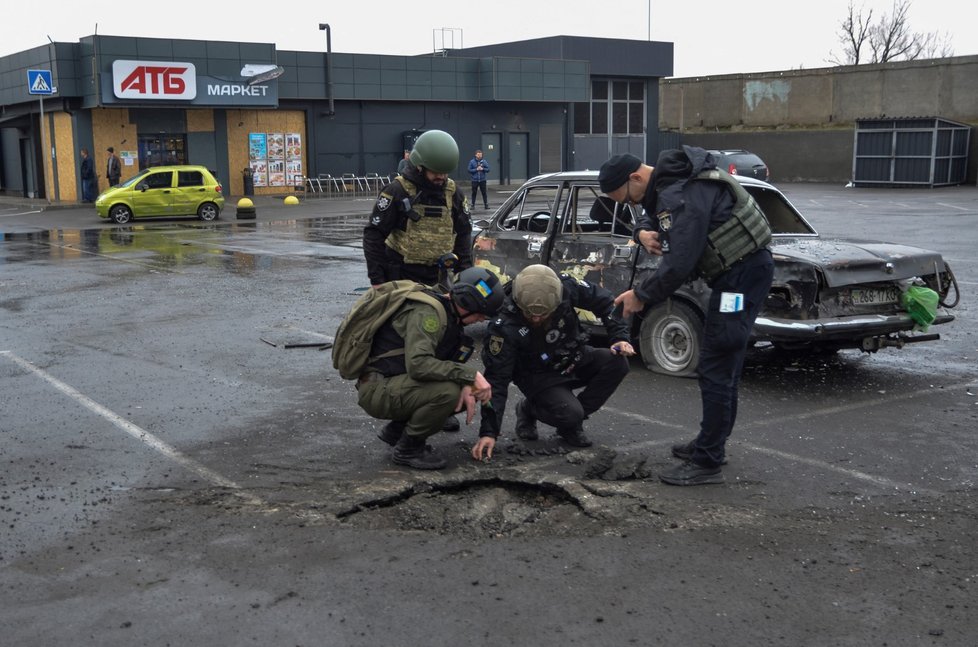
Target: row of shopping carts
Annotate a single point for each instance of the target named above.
(347, 185)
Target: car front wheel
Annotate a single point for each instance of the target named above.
(208, 211)
(120, 214)
(670, 339)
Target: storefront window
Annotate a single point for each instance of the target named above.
(616, 106)
(163, 149)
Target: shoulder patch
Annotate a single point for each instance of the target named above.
(384, 202)
(665, 220)
(430, 324)
(495, 344)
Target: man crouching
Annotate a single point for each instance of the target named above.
(416, 375)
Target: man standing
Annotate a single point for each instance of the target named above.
(536, 342)
(113, 168)
(88, 190)
(478, 169)
(702, 222)
(419, 217)
(405, 163)
(416, 375)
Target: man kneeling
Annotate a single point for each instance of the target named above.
(416, 375)
(536, 342)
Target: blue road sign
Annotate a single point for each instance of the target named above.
(39, 82)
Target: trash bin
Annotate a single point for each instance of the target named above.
(249, 181)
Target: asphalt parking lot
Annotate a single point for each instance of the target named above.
(181, 465)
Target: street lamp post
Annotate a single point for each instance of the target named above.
(329, 66)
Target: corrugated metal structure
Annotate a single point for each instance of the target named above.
(911, 152)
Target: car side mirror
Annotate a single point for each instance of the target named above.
(142, 186)
(482, 223)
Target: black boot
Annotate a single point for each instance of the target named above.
(391, 433)
(684, 451)
(526, 424)
(412, 452)
(451, 424)
(574, 436)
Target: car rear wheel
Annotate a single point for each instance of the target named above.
(120, 214)
(208, 211)
(670, 339)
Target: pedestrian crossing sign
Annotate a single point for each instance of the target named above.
(39, 82)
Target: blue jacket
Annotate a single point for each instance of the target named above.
(477, 175)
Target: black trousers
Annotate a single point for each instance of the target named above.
(480, 186)
(725, 337)
(598, 375)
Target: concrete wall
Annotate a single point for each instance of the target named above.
(802, 122)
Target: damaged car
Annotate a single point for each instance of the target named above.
(827, 294)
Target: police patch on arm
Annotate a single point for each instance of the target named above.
(384, 202)
(495, 344)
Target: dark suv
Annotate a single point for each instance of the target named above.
(741, 162)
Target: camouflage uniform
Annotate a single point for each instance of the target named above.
(402, 243)
(422, 385)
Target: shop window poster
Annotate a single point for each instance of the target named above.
(275, 158)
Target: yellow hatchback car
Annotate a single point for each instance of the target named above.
(161, 191)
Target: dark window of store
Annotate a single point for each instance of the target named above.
(616, 106)
(162, 149)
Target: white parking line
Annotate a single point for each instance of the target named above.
(20, 213)
(954, 206)
(854, 474)
(137, 432)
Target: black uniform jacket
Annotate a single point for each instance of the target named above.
(545, 356)
(383, 263)
(684, 212)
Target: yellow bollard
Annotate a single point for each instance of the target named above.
(246, 209)
(291, 199)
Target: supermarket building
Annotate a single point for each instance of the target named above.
(280, 116)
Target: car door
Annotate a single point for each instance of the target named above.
(518, 234)
(153, 194)
(593, 241)
(189, 192)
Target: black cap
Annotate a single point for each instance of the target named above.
(615, 171)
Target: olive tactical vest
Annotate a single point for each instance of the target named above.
(746, 231)
(430, 232)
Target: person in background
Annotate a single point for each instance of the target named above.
(405, 162)
(88, 180)
(479, 169)
(113, 167)
(703, 223)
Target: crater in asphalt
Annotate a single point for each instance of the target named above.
(490, 508)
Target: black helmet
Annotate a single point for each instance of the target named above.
(435, 150)
(478, 290)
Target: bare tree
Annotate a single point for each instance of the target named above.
(853, 34)
(888, 39)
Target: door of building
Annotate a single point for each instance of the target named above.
(518, 157)
(162, 149)
(491, 144)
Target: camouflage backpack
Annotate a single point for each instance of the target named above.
(355, 336)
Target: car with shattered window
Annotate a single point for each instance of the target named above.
(827, 294)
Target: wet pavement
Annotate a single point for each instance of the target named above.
(181, 464)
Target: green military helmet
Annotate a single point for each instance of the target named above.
(435, 150)
(537, 290)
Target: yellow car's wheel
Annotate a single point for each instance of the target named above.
(208, 211)
(120, 214)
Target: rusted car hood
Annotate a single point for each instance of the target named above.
(846, 262)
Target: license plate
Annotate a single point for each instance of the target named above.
(875, 296)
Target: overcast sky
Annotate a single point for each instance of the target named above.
(710, 37)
